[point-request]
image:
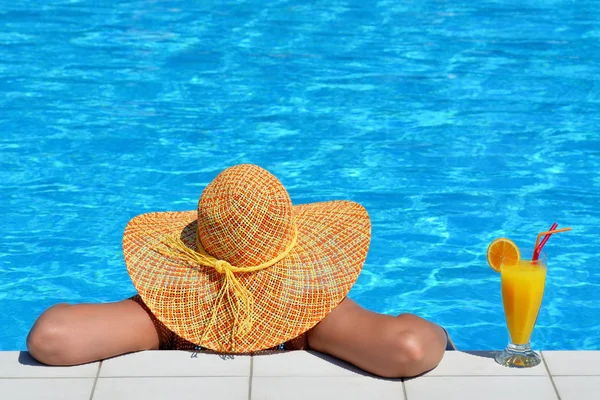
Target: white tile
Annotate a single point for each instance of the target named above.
(302, 363)
(192, 388)
(175, 363)
(578, 387)
(327, 388)
(19, 364)
(46, 388)
(573, 362)
(480, 387)
(458, 363)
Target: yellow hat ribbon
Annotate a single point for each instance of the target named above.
(241, 303)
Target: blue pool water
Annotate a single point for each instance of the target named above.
(453, 122)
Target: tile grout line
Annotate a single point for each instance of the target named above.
(299, 376)
(95, 380)
(404, 390)
(10, 378)
(250, 378)
(550, 375)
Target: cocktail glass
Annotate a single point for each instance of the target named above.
(522, 293)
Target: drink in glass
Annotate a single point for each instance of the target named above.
(522, 293)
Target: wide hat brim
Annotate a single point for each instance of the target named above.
(290, 297)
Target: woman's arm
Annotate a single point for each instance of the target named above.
(384, 345)
(76, 334)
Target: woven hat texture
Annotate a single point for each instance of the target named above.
(247, 270)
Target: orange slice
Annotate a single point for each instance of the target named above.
(502, 251)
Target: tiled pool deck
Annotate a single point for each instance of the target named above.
(302, 375)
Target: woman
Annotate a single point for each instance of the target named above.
(245, 272)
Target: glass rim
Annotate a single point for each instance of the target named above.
(542, 260)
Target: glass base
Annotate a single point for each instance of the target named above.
(518, 356)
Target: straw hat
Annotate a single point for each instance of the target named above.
(247, 270)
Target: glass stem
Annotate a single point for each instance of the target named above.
(518, 348)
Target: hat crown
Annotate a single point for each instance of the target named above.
(245, 216)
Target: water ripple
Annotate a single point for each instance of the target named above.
(453, 123)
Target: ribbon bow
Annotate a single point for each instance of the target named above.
(241, 303)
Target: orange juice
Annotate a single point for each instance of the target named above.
(522, 293)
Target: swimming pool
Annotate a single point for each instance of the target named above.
(453, 123)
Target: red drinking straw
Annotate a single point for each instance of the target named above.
(538, 249)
